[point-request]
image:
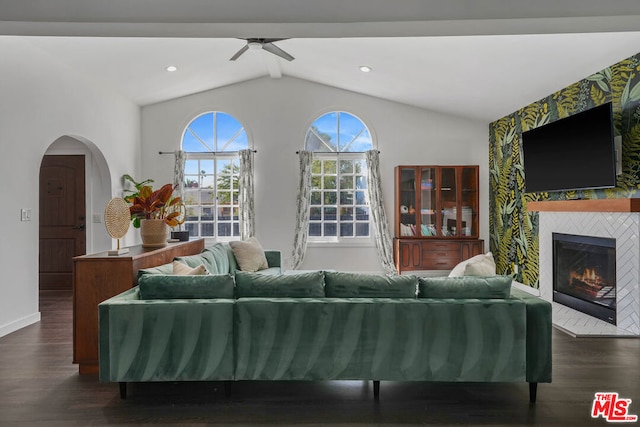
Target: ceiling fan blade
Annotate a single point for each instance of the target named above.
(242, 50)
(272, 48)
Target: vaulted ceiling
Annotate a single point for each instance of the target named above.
(477, 59)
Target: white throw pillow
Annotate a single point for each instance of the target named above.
(485, 266)
(459, 270)
(180, 269)
(249, 254)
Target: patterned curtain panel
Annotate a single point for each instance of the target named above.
(178, 172)
(245, 203)
(302, 215)
(381, 234)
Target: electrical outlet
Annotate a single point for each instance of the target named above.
(25, 214)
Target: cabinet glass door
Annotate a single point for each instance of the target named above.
(408, 202)
(428, 207)
(469, 202)
(449, 203)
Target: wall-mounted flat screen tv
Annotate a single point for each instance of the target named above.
(573, 153)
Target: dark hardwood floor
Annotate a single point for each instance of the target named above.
(39, 386)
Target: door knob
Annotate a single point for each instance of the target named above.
(79, 227)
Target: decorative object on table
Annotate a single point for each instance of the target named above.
(404, 209)
(154, 211)
(116, 219)
(180, 236)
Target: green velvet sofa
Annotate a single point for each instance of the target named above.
(324, 326)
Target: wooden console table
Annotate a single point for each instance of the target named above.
(97, 277)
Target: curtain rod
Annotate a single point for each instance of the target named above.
(332, 152)
(204, 152)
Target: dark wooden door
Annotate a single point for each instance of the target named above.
(62, 219)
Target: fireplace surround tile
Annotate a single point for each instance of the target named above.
(622, 226)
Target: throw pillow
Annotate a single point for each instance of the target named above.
(303, 285)
(353, 285)
(485, 266)
(249, 254)
(180, 269)
(162, 286)
(458, 270)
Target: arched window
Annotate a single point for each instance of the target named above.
(339, 205)
(211, 142)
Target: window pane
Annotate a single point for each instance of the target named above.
(362, 229)
(191, 197)
(360, 198)
(236, 229)
(330, 229)
(346, 197)
(316, 198)
(329, 182)
(316, 167)
(362, 214)
(346, 182)
(206, 229)
(329, 167)
(315, 229)
(315, 214)
(230, 133)
(330, 214)
(207, 214)
(316, 182)
(201, 130)
(346, 166)
(207, 197)
(360, 166)
(346, 230)
(346, 214)
(192, 228)
(361, 182)
(224, 229)
(224, 214)
(330, 197)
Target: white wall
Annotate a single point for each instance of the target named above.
(277, 114)
(42, 100)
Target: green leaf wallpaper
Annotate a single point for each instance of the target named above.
(513, 230)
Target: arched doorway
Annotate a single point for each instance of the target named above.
(74, 183)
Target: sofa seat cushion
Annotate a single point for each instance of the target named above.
(465, 287)
(354, 285)
(304, 285)
(161, 286)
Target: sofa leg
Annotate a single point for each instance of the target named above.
(533, 390)
(123, 390)
(376, 389)
(227, 389)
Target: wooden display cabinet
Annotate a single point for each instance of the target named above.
(436, 216)
(99, 276)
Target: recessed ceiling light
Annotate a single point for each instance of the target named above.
(171, 68)
(365, 68)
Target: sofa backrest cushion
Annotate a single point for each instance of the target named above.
(465, 287)
(303, 285)
(163, 286)
(354, 285)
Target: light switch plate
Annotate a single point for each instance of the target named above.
(25, 214)
(97, 218)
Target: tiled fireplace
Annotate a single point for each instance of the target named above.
(601, 220)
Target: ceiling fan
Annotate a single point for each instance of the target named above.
(266, 44)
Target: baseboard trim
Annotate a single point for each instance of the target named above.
(19, 324)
